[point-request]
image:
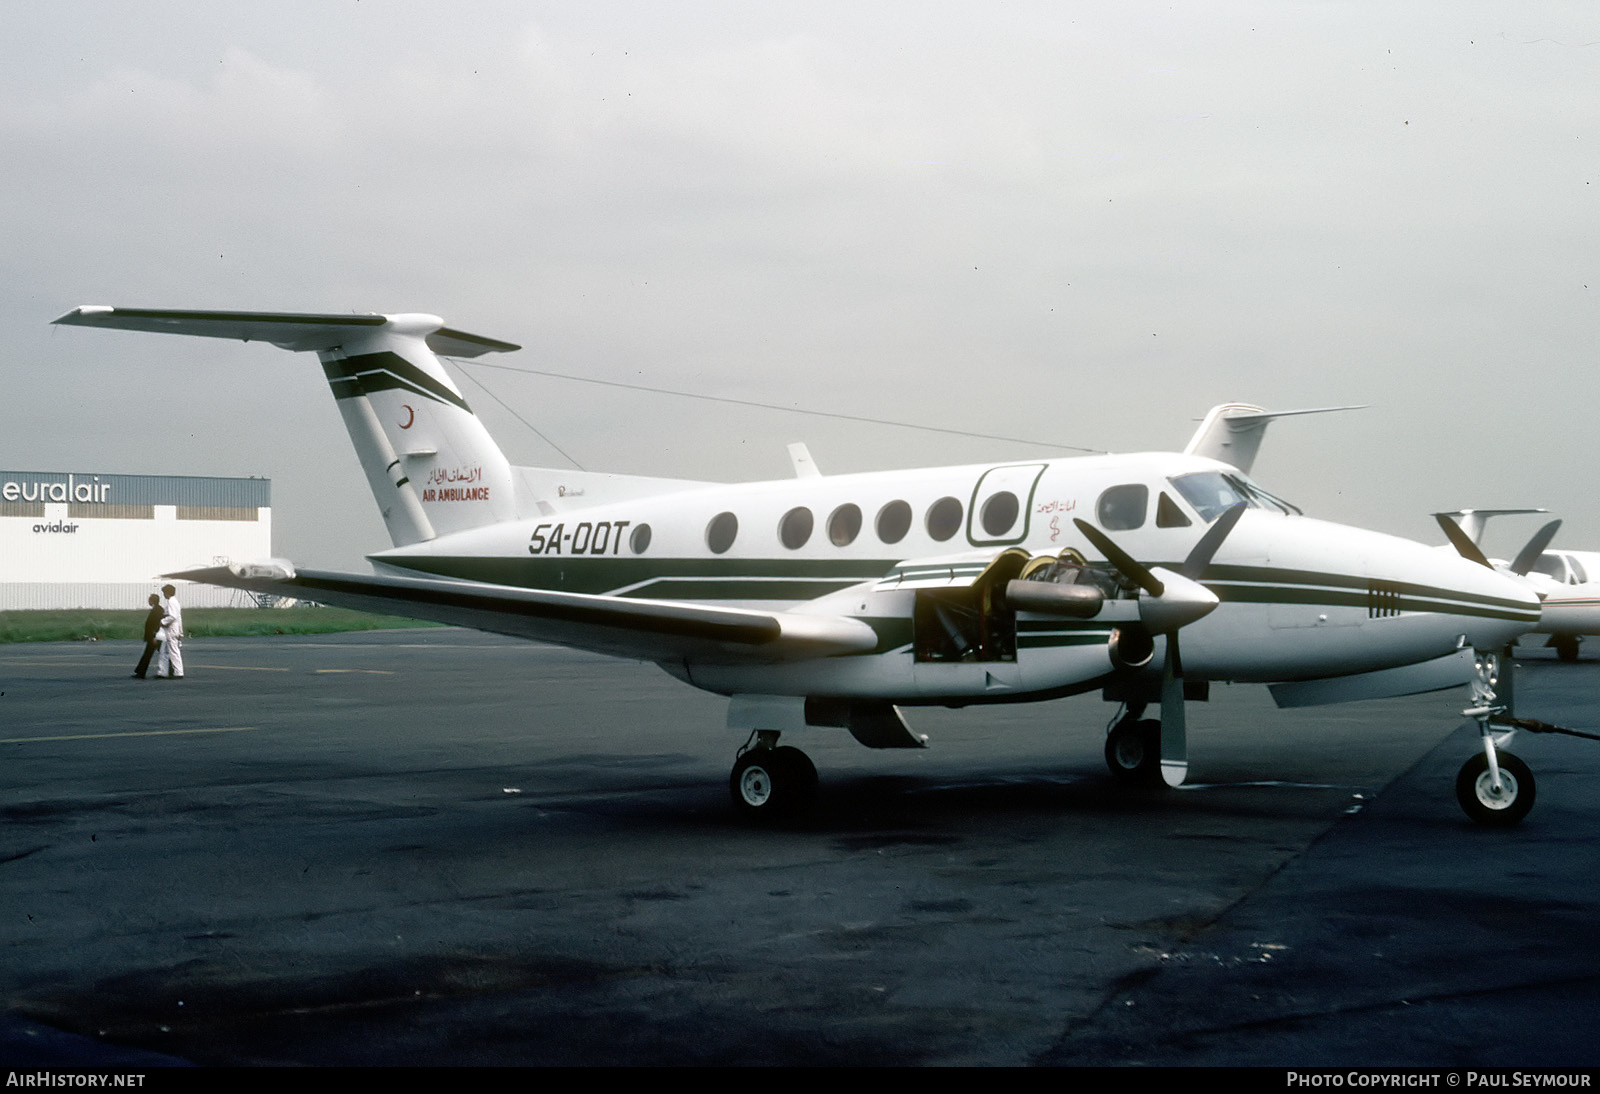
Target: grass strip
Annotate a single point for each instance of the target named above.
(86, 624)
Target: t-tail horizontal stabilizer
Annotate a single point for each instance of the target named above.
(410, 424)
(1232, 432)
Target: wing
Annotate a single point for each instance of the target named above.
(644, 630)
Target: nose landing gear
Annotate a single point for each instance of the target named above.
(1494, 787)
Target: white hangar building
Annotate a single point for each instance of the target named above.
(84, 540)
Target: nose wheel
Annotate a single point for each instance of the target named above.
(1500, 803)
(770, 783)
(1494, 787)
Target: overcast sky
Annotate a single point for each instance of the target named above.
(1081, 224)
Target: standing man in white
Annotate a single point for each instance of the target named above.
(169, 663)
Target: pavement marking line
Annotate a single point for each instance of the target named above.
(241, 668)
(373, 672)
(139, 733)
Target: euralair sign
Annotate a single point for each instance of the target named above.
(71, 489)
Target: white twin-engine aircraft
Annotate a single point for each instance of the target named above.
(838, 600)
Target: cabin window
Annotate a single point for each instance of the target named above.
(845, 524)
(795, 528)
(999, 513)
(1168, 515)
(894, 521)
(721, 532)
(1122, 508)
(944, 518)
(639, 539)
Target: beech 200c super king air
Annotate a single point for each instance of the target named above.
(838, 600)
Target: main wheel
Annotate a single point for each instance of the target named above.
(769, 783)
(1566, 647)
(1475, 790)
(1133, 750)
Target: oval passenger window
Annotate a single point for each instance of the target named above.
(1122, 508)
(720, 533)
(944, 518)
(845, 524)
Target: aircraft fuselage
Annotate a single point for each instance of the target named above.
(1300, 598)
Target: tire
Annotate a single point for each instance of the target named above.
(1133, 751)
(772, 783)
(1479, 800)
(1566, 647)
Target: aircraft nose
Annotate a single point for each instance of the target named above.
(1498, 607)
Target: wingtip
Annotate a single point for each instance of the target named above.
(83, 311)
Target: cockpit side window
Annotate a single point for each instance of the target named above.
(1168, 515)
(1211, 493)
(1122, 508)
(1259, 497)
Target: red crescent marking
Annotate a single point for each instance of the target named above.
(410, 420)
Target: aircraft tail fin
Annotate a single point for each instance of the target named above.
(1232, 432)
(431, 464)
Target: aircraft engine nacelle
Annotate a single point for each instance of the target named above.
(271, 569)
(1131, 647)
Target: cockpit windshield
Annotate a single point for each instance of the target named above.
(1213, 493)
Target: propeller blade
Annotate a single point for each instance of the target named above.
(1461, 541)
(1206, 549)
(1124, 562)
(1535, 547)
(1174, 728)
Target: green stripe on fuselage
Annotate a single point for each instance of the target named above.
(659, 578)
(1327, 598)
(1217, 576)
(794, 579)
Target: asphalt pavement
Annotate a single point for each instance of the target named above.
(441, 847)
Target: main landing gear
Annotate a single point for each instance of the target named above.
(1133, 750)
(769, 781)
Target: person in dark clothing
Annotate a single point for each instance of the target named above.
(152, 635)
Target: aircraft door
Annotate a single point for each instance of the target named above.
(1002, 503)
